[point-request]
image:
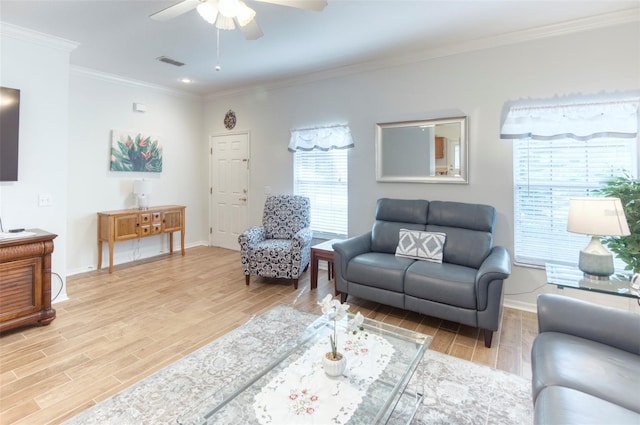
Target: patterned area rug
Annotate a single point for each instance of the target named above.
(455, 391)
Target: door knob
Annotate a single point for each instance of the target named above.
(242, 199)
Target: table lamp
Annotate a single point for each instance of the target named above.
(142, 190)
(597, 217)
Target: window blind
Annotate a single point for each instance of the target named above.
(547, 173)
(323, 177)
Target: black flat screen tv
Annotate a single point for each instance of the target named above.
(9, 133)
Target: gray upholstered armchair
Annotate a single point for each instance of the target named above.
(281, 247)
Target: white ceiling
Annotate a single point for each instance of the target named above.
(117, 37)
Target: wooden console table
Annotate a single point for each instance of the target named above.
(123, 225)
(25, 280)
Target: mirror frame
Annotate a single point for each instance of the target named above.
(464, 152)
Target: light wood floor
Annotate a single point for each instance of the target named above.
(117, 329)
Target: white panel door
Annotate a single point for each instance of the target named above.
(229, 182)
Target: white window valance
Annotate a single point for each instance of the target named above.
(568, 120)
(321, 138)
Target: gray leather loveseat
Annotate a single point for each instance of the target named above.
(585, 363)
(462, 284)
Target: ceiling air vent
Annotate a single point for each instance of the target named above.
(169, 61)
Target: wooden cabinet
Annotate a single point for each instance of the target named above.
(25, 280)
(439, 147)
(171, 221)
(122, 225)
(125, 227)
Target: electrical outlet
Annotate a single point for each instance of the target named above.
(45, 200)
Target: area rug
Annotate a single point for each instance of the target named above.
(455, 391)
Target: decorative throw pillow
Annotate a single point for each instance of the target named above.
(420, 245)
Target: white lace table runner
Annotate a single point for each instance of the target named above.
(303, 394)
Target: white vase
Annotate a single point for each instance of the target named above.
(332, 367)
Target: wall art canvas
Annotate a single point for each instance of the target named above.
(132, 151)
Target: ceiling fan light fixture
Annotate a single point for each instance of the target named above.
(208, 10)
(228, 8)
(244, 14)
(225, 23)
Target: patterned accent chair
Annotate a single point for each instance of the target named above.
(281, 247)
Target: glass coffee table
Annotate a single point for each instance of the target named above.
(293, 388)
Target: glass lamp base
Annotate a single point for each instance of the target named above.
(595, 277)
(143, 201)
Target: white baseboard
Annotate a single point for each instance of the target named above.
(520, 305)
(62, 297)
(123, 259)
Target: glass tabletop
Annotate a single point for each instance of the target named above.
(383, 399)
(571, 277)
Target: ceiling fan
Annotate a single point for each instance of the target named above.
(227, 14)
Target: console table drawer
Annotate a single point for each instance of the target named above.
(144, 230)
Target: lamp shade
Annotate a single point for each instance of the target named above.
(244, 14)
(597, 216)
(142, 187)
(209, 11)
(225, 23)
(228, 8)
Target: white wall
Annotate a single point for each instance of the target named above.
(477, 83)
(100, 103)
(38, 65)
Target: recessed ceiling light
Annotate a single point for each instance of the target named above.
(186, 80)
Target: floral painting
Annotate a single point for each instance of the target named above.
(135, 152)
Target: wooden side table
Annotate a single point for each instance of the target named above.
(25, 279)
(322, 251)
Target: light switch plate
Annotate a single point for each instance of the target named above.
(45, 200)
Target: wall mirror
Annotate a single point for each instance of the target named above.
(429, 151)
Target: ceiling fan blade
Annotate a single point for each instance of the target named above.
(175, 10)
(251, 31)
(316, 5)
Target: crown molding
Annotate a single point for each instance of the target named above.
(35, 37)
(621, 17)
(124, 81)
(537, 33)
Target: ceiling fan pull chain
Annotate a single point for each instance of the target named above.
(218, 67)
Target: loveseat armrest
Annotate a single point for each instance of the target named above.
(346, 249)
(497, 266)
(349, 248)
(611, 326)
